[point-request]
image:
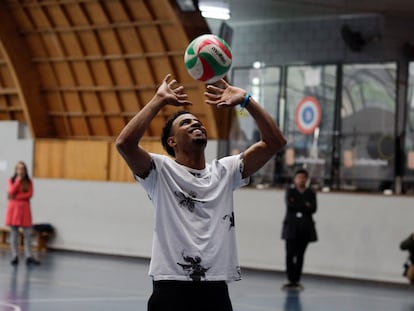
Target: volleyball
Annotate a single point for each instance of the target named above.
(208, 58)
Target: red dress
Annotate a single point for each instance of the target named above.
(18, 211)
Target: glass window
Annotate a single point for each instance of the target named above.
(368, 126)
(308, 121)
(264, 85)
(344, 135)
(409, 135)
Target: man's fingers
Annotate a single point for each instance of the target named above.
(212, 96)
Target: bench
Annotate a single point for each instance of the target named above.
(41, 238)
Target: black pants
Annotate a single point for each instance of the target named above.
(189, 296)
(295, 253)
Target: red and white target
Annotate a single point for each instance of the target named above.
(308, 115)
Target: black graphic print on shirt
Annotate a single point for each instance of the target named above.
(188, 202)
(230, 219)
(238, 272)
(193, 267)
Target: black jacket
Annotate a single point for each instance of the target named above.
(408, 245)
(298, 222)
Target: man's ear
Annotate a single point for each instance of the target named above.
(171, 141)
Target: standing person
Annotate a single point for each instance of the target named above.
(194, 251)
(298, 226)
(18, 213)
(408, 245)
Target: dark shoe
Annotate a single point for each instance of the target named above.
(299, 286)
(292, 286)
(288, 285)
(32, 261)
(14, 261)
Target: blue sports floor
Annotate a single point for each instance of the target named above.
(68, 281)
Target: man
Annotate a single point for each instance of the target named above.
(408, 245)
(298, 226)
(194, 249)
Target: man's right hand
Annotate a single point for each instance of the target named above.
(171, 93)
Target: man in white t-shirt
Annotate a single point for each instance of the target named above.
(194, 251)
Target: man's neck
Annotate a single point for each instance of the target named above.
(197, 162)
(301, 188)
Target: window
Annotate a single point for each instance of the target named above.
(368, 126)
(339, 121)
(264, 86)
(408, 179)
(308, 123)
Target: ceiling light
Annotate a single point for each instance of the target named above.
(215, 9)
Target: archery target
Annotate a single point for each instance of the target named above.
(308, 115)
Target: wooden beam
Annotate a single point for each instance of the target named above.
(8, 91)
(91, 138)
(109, 88)
(26, 79)
(106, 57)
(10, 109)
(30, 4)
(74, 114)
(140, 24)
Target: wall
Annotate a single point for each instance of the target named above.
(359, 235)
(15, 146)
(319, 40)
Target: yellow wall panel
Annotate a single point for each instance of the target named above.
(118, 169)
(153, 145)
(86, 160)
(49, 157)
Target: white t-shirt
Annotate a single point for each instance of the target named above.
(194, 236)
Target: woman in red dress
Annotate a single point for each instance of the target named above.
(18, 213)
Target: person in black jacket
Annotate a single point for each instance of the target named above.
(408, 245)
(298, 226)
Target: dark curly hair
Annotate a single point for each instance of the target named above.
(302, 171)
(166, 131)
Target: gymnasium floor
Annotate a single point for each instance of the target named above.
(86, 282)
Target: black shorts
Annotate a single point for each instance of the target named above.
(189, 296)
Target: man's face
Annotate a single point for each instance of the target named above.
(300, 180)
(188, 129)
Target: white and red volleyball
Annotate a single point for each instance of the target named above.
(208, 58)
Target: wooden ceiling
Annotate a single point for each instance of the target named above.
(81, 69)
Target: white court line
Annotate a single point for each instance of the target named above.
(79, 299)
(72, 284)
(306, 297)
(256, 307)
(13, 307)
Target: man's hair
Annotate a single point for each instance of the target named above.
(166, 131)
(302, 171)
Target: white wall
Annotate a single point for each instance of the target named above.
(359, 234)
(15, 146)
